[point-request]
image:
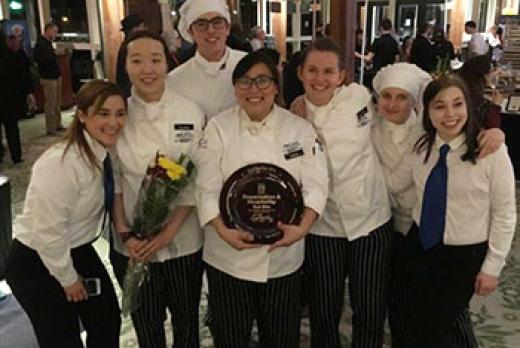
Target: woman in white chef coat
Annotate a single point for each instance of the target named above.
(353, 236)
(52, 253)
(160, 120)
(249, 281)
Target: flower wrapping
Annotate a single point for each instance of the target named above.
(164, 181)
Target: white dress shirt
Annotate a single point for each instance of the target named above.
(206, 83)
(358, 200)
(478, 45)
(171, 126)
(392, 144)
(481, 198)
(232, 141)
(63, 207)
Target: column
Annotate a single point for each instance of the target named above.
(457, 23)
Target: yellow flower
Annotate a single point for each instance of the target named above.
(173, 175)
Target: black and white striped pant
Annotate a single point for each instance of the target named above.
(366, 261)
(174, 285)
(234, 303)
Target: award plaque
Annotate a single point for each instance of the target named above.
(255, 197)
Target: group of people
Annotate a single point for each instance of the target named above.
(405, 194)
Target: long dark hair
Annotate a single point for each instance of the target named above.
(92, 94)
(473, 73)
(470, 129)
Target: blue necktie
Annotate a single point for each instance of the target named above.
(433, 214)
(108, 184)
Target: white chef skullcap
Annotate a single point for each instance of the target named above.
(405, 76)
(193, 9)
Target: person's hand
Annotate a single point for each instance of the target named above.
(135, 246)
(298, 106)
(156, 243)
(291, 234)
(485, 284)
(238, 239)
(496, 97)
(31, 102)
(76, 292)
(489, 141)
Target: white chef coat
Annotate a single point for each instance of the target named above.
(63, 207)
(206, 83)
(232, 141)
(171, 126)
(481, 198)
(392, 144)
(358, 201)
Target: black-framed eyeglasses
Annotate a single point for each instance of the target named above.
(217, 23)
(262, 82)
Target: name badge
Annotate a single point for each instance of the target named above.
(362, 117)
(293, 150)
(183, 132)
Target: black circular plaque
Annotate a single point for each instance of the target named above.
(255, 197)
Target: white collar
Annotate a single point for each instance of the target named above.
(212, 68)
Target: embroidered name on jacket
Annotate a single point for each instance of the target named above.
(292, 150)
(362, 117)
(183, 132)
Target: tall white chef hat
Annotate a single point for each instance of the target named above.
(405, 76)
(193, 9)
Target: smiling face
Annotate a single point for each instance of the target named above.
(211, 43)
(256, 102)
(321, 75)
(106, 124)
(146, 66)
(448, 113)
(394, 105)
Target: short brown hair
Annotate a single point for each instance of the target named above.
(324, 44)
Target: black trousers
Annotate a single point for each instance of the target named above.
(400, 297)
(235, 303)
(443, 281)
(366, 262)
(174, 285)
(55, 320)
(119, 264)
(9, 113)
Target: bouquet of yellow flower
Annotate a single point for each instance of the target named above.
(162, 184)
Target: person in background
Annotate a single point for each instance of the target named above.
(50, 78)
(442, 47)
(249, 281)
(406, 49)
(463, 221)
(130, 24)
(160, 121)
(206, 78)
(384, 49)
(237, 39)
(257, 38)
(292, 86)
(422, 53)
(15, 93)
(477, 45)
(52, 253)
(477, 75)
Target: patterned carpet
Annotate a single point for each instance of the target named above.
(496, 317)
